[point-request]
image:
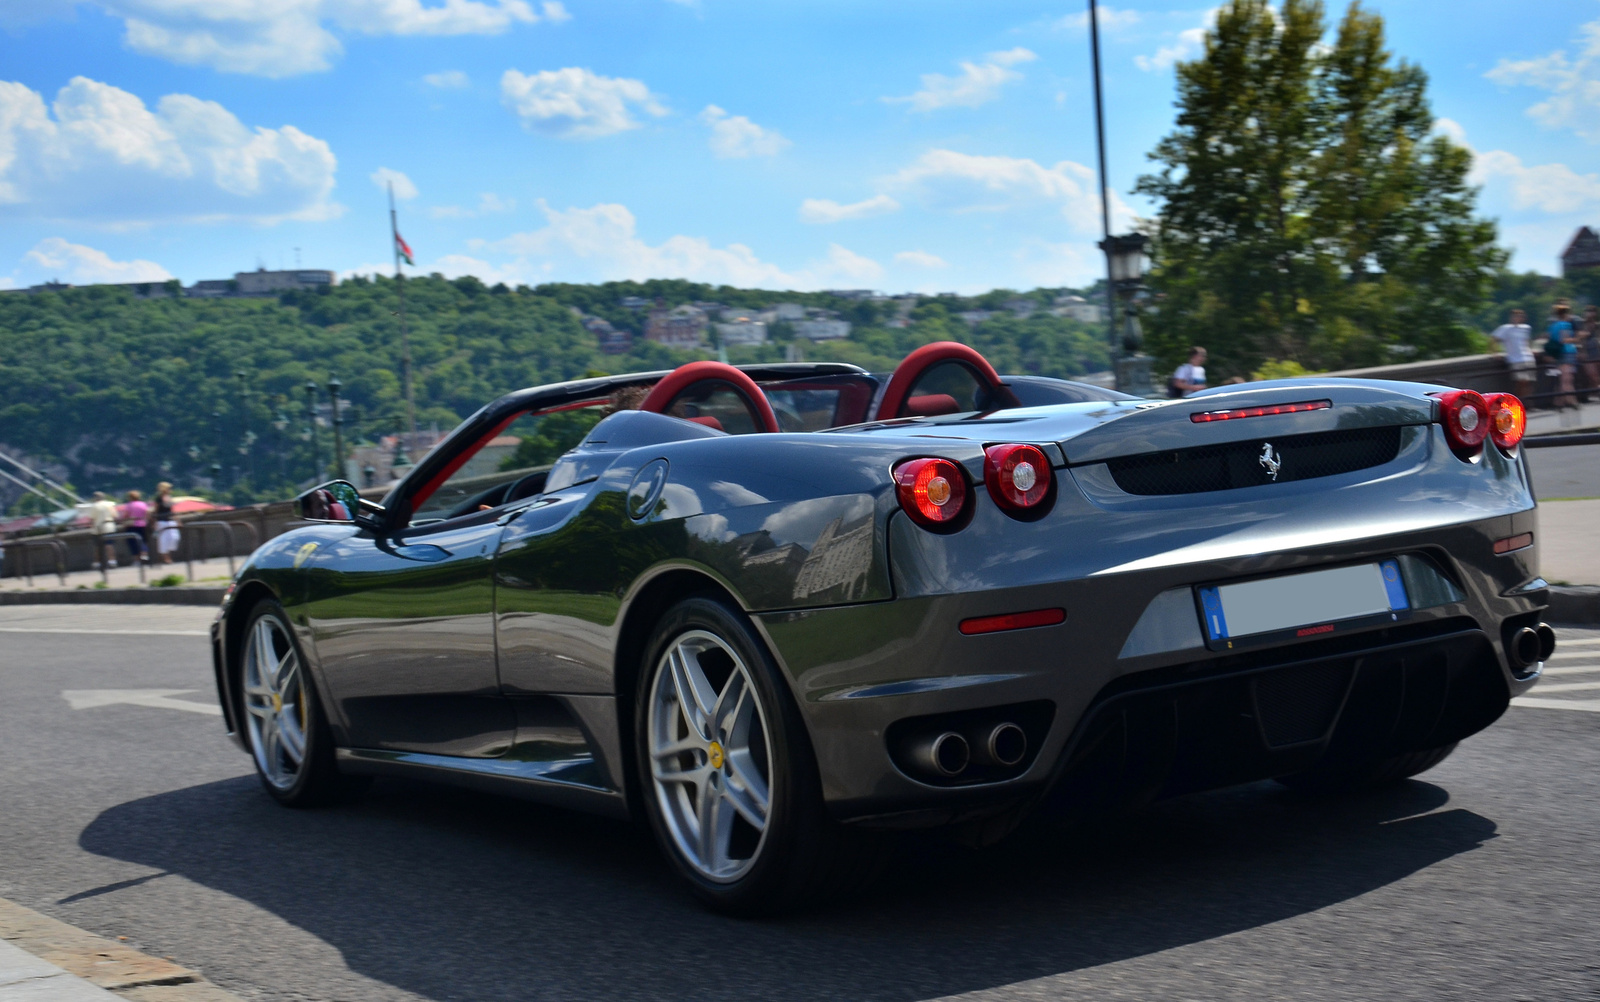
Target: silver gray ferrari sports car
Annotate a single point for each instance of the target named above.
(774, 610)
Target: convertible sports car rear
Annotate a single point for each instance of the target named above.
(954, 599)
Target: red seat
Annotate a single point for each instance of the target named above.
(930, 405)
(897, 398)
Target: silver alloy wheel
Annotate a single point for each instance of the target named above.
(276, 713)
(710, 755)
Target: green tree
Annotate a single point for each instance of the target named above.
(1307, 212)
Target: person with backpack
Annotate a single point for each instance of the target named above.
(1561, 347)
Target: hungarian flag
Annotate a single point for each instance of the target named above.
(403, 249)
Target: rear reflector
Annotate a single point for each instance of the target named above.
(1243, 412)
(1013, 621)
(1511, 543)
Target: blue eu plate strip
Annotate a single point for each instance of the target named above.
(1394, 585)
(1216, 622)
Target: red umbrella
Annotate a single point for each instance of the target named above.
(186, 505)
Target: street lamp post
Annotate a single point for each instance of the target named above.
(222, 449)
(1125, 256)
(245, 434)
(280, 422)
(334, 386)
(311, 429)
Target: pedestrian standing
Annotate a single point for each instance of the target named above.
(166, 523)
(137, 513)
(1589, 349)
(103, 519)
(1562, 348)
(1189, 377)
(1514, 336)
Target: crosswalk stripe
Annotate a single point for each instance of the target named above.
(1588, 669)
(1590, 705)
(1567, 687)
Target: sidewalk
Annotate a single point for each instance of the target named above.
(211, 572)
(1569, 543)
(1585, 418)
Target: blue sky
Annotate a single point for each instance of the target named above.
(818, 144)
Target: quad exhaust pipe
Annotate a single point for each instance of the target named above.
(947, 754)
(1530, 645)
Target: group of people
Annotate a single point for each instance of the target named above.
(1570, 349)
(145, 523)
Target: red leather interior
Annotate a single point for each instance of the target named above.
(708, 421)
(930, 405)
(666, 392)
(895, 402)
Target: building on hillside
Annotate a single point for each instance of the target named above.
(822, 330)
(51, 286)
(1021, 307)
(743, 330)
(1079, 309)
(634, 303)
(855, 293)
(975, 317)
(788, 311)
(612, 341)
(1582, 253)
(262, 282)
(679, 327)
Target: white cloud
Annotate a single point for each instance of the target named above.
(574, 103)
(447, 80)
(404, 190)
(921, 259)
(601, 243)
(1110, 19)
(978, 84)
(824, 210)
(488, 204)
(1552, 188)
(962, 182)
(104, 158)
(1190, 43)
(280, 38)
(1573, 85)
(80, 265)
(734, 136)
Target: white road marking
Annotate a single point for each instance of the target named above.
(1591, 705)
(86, 699)
(1588, 669)
(1542, 689)
(108, 633)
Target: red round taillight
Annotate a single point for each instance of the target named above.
(1508, 419)
(1018, 477)
(933, 492)
(1466, 421)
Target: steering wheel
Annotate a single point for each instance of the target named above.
(898, 393)
(666, 392)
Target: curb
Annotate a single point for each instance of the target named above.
(1574, 605)
(107, 964)
(182, 595)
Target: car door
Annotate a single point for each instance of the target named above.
(403, 626)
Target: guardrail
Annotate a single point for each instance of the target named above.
(227, 531)
(103, 541)
(1551, 441)
(55, 546)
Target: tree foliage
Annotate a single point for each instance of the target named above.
(1307, 211)
(117, 392)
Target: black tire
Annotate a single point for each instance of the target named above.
(802, 856)
(314, 781)
(1383, 772)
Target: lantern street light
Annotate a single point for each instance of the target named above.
(280, 422)
(247, 436)
(334, 386)
(1126, 257)
(311, 429)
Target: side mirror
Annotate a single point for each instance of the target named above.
(337, 501)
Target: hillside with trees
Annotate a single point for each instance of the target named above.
(112, 392)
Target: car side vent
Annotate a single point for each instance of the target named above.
(1255, 462)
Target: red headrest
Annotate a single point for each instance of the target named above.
(907, 373)
(684, 376)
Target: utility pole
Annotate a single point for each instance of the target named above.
(311, 428)
(1105, 186)
(405, 337)
(334, 386)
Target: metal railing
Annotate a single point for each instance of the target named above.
(54, 545)
(229, 548)
(101, 542)
(1550, 441)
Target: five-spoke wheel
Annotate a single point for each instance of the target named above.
(274, 703)
(711, 768)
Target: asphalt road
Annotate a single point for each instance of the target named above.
(1477, 881)
(1568, 471)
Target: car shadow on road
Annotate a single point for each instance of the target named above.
(448, 894)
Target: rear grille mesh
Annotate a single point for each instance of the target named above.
(1248, 464)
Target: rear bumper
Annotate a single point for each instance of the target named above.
(1208, 718)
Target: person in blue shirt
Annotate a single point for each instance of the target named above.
(1562, 350)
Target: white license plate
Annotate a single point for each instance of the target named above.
(1302, 605)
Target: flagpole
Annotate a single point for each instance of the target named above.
(405, 337)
